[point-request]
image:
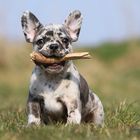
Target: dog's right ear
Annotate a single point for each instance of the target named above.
(30, 25)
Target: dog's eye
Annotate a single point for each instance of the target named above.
(65, 40)
(40, 42)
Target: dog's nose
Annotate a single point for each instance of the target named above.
(53, 47)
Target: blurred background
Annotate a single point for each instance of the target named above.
(110, 32)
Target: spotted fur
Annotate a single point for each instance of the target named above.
(58, 92)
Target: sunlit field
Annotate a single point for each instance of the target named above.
(113, 74)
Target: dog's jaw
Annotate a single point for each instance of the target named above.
(55, 69)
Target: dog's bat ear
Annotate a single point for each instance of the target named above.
(73, 24)
(30, 25)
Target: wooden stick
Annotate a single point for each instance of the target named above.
(38, 57)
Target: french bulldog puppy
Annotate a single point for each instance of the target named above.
(57, 91)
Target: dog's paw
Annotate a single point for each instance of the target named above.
(32, 120)
(33, 124)
(74, 117)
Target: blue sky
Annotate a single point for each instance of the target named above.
(104, 20)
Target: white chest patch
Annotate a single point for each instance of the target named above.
(51, 96)
(51, 103)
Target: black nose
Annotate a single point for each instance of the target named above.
(53, 47)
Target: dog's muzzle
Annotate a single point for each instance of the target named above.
(53, 52)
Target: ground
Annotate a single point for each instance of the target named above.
(113, 74)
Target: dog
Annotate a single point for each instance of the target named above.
(57, 92)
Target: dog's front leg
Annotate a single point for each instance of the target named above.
(74, 113)
(33, 110)
(74, 110)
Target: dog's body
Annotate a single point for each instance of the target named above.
(57, 91)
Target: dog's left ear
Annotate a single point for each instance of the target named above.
(73, 24)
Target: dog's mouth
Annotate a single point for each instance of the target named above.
(52, 68)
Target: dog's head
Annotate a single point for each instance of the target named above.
(52, 40)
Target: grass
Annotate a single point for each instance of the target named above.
(114, 74)
(120, 121)
(110, 51)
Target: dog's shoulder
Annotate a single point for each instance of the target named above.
(82, 84)
(36, 81)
